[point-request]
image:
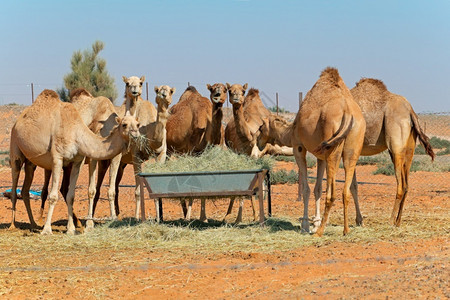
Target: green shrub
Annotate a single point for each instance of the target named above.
(282, 177)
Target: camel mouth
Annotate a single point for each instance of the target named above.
(216, 99)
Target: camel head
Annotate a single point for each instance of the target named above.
(236, 93)
(164, 95)
(133, 86)
(128, 126)
(218, 93)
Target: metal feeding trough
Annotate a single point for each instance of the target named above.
(205, 184)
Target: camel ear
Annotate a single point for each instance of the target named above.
(228, 86)
(142, 78)
(118, 120)
(172, 91)
(208, 86)
(125, 79)
(156, 89)
(245, 86)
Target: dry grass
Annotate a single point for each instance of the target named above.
(278, 234)
(211, 159)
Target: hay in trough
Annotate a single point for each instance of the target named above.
(211, 159)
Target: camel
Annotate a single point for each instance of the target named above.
(98, 113)
(330, 125)
(194, 123)
(253, 126)
(189, 125)
(51, 134)
(152, 129)
(391, 124)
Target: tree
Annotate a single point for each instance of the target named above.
(89, 72)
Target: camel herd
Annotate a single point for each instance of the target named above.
(333, 122)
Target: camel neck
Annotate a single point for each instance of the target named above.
(216, 122)
(96, 147)
(131, 104)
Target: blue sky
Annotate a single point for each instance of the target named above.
(275, 46)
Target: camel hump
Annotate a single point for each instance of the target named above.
(48, 94)
(375, 82)
(332, 74)
(253, 92)
(78, 92)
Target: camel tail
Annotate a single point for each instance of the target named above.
(338, 136)
(423, 138)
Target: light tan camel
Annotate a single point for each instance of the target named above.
(51, 134)
(98, 113)
(194, 123)
(391, 124)
(253, 129)
(154, 131)
(330, 125)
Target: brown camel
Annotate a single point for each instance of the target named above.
(194, 123)
(218, 96)
(154, 141)
(189, 124)
(98, 113)
(51, 134)
(391, 124)
(330, 125)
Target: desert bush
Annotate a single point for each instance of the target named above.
(282, 177)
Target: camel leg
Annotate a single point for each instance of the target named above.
(92, 190)
(241, 208)
(17, 159)
(303, 187)
(252, 202)
(332, 167)
(349, 160)
(114, 166)
(44, 194)
(402, 164)
(71, 195)
(53, 196)
(183, 207)
(29, 174)
(101, 172)
(120, 172)
(318, 192)
(189, 209)
(203, 210)
(137, 191)
(230, 207)
(354, 191)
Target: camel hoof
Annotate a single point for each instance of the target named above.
(70, 231)
(46, 231)
(89, 225)
(12, 227)
(305, 226)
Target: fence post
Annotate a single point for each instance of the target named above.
(146, 88)
(277, 102)
(300, 99)
(32, 93)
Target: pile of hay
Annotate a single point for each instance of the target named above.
(211, 159)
